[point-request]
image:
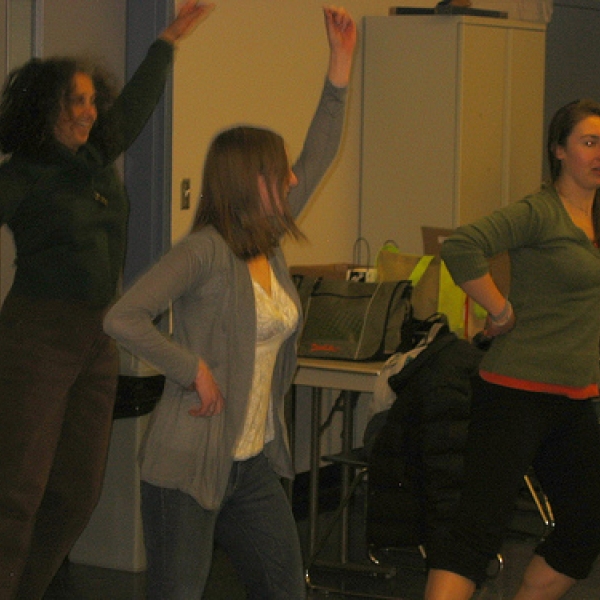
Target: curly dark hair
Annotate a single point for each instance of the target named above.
(231, 199)
(32, 98)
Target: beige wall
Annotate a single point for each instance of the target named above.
(263, 62)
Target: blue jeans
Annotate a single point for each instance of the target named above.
(254, 525)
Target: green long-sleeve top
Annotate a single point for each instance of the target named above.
(554, 289)
(68, 212)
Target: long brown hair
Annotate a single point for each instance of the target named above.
(231, 199)
(561, 126)
(563, 122)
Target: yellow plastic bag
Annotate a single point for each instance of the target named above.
(433, 287)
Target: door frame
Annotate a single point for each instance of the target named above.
(147, 165)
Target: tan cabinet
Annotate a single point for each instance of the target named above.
(452, 121)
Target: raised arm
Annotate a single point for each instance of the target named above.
(140, 95)
(325, 131)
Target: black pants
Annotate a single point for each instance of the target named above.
(58, 374)
(510, 431)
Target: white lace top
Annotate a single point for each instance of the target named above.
(276, 319)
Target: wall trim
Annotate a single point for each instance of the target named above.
(147, 165)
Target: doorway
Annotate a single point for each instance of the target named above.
(18, 20)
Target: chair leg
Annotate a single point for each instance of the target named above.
(410, 552)
(358, 479)
(542, 504)
(372, 569)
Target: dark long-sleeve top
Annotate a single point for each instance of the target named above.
(554, 289)
(214, 319)
(68, 212)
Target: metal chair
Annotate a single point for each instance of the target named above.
(354, 460)
(541, 502)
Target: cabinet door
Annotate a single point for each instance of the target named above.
(482, 153)
(452, 122)
(527, 93)
(409, 128)
(501, 145)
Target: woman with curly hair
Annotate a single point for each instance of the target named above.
(62, 128)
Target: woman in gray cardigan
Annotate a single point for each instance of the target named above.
(216, 446)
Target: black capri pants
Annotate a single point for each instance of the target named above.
(510, 431)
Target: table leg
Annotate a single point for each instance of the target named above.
(290, 419)
(315, 461)
(350, 399)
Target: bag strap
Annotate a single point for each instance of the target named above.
(420, 269)
(387, 246)
(356, 255)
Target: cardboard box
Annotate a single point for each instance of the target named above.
(433, 238)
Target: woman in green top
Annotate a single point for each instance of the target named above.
(62, 129)
(533, 402)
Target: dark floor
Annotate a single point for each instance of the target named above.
(79, 582)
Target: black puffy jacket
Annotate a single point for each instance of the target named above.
(416, 461)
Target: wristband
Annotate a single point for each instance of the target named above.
(503, 317)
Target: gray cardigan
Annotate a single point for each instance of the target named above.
(213, 315)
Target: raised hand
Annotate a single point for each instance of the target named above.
(341, 35)
(188, 17)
